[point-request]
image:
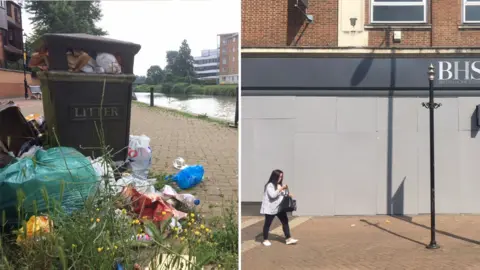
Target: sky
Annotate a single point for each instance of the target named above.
(161, 25)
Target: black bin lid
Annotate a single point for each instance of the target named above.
(86, 42)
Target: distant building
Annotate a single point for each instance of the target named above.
(11, 51)
(228, 58)
(206, 66)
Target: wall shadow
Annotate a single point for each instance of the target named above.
(398, 199)
(361, 71)
(389, 176)
(473, 124)
(295, 21)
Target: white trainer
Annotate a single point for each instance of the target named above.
(267, 243)
(291, 241)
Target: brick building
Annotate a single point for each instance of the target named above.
(11, 51)
(332, 94)
(361, 23)
(228, 58)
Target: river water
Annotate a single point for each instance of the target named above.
(213, 106)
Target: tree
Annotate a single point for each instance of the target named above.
(140, 80)
(155, 75)
(171, 56)
(64, 17)
(180, 63)
(184, 61)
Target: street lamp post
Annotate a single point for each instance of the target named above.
(431, 106)
(25, 84)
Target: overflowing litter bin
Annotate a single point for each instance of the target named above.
(86, 99)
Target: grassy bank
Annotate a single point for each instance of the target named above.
(185, 114)
(189, 89)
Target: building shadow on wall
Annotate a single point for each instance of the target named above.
(296, 25)
(473, 124)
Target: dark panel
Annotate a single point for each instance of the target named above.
(398, 14)
(472, 13)
(359, 73)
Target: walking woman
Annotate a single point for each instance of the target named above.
(273, 195)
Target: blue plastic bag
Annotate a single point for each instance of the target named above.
(189, 176)
(65, 174)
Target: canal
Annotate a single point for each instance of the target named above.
(213, 106)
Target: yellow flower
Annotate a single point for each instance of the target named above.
(185, 230)
(193, 220)
(175, 229)
(98, 209)
(202, 226)
(115, 247)
(136, 221)
(192, 215)
(189, 224)
(98, 220)
(197, 233)
(164, 213)
(182, 238)
(100, 249)
(108, 248)
(91, 219)
(145, 217)
(124, 211)
(176, 236)
(74, 246)
(207, 229)
(199, 240)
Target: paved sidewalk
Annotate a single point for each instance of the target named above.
(379, 242)
(196, 140)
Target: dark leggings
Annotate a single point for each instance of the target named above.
(268, 222)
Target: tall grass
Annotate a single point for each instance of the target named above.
(102, 233)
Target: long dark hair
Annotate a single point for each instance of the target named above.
(274, 178)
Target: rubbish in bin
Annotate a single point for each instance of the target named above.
(140, 155)
(188, 177)
(109, 63)
(35, 226)
(39, 59)
(65, 174)
(77, 60)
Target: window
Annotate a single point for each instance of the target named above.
(224, 61)
(471, 11)
(233, 58)
(233, 49)
(9, 9)
(2, 4)
(398, 11)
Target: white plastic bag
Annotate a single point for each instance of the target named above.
(109, 63)
(140, 156)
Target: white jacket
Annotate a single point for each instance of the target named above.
(271, 200)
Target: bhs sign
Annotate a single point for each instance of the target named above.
(458, 72)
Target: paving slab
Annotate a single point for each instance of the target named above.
(379, 242)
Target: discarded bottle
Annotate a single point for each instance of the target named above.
(188, 199)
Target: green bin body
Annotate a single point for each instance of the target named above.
(87, 111)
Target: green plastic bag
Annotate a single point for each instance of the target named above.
(65, 174)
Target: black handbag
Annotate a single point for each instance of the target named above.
(288, 204)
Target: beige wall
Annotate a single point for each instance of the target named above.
(349, 36)
(11, 83)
